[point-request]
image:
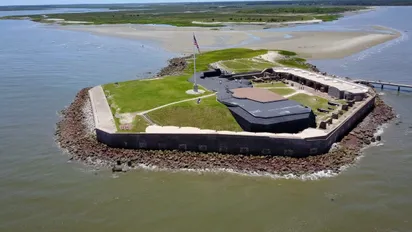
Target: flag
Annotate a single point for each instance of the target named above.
(195, 43)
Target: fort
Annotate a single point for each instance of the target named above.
(272, 124)
(280, 120)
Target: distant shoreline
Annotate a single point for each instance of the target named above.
(308, 44)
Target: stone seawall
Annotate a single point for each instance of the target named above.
(232, 144)
(237, 144)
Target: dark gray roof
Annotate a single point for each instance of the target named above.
(267, 121)
(218, 84)
(261, 113)
(267, 109)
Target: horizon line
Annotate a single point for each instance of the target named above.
(151, 3)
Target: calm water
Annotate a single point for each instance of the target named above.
(41, 69)
(53, 11)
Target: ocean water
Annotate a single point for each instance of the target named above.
(41, 70)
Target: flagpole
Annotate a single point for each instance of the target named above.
(194, 67)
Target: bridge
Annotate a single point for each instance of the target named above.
(383, 83)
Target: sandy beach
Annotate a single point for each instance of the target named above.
(311, 44)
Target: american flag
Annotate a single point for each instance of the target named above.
(195, 43)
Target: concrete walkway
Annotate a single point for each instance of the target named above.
(103, 117)
(297, 92)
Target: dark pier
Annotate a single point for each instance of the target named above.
(383, 83)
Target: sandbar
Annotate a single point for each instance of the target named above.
(308, 44)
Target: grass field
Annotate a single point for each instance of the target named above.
(209, 114)
(287, 53)
(141, 95)
(246, 65)
(294, 62)
(139, 124)
(204, 59)
(283, 91)
(313, 102)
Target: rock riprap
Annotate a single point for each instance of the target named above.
(175, 66)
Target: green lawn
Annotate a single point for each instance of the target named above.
(234, 65)
(294, 62)
(313, 102)
(141, 95)
(340, 101)
(273, 84)
(140, 124)
(259, 64)
(246, 65)
(328, 17)
(209, 114)
(287, 53)
(203, 60)
(283, 91)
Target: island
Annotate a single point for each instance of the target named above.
(202, 14)
(254, 111)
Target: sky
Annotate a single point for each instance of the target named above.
(45, 2)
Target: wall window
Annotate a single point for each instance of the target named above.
(142, 144)
(313, 151)
(202, 148)
(244, 150)
(161, 146)
(223, 149)
(266, 151)
(182, 147)
(288, 152)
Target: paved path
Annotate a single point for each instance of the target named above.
(148, 120)
(103, 117)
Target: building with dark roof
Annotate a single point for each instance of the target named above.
(255, 109)
(260, 110)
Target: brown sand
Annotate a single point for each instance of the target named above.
(314, 45)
